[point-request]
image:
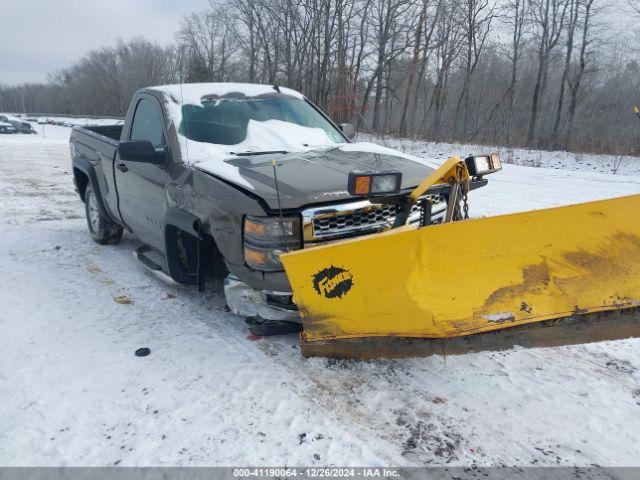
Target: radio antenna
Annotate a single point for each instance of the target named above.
(275, 179)
(186, 128)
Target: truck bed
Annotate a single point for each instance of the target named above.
(111, 131)
(103, 139)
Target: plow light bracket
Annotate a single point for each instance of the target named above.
(374, 183)
(479, 165)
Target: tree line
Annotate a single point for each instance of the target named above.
(554, 74)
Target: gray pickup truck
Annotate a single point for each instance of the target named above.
(217, 179)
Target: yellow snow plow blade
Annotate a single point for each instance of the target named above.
(452, 283)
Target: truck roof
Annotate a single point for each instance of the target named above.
(192, 93)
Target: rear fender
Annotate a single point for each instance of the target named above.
(84, 166)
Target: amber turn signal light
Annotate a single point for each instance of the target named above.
(374, 183)
(362, 185)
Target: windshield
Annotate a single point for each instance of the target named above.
(232, 121)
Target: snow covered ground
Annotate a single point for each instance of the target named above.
(558, 160)
(73, 393)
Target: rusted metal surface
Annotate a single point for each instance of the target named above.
(576, 329)
(470, 277)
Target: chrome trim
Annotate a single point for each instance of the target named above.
(359, 206)
(311, 214)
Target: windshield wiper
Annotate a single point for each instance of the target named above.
(267, 152)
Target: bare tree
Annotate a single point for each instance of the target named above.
(448, 44)
(576, 76)
(524, 72)
(570, 25)
(390, 26)
(208, 36)
(476, 17)
(412, 68)
(635, 5)
(548, 17)
(517, 18)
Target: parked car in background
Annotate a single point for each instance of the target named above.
(6, 127)
(18, 125)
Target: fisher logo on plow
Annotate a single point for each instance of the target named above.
(333, 282)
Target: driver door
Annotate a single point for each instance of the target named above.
(141, 186)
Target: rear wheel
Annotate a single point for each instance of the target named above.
(101, 229)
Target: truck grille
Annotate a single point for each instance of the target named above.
(359, 218)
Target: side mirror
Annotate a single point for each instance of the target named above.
(141, 151)
(349, 130)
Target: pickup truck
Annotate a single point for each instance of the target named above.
(218, 179)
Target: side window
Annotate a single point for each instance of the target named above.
(147, 123)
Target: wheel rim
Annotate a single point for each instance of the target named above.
(94, 213)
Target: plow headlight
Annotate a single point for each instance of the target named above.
(265, 238)
(479, 165)
(374, 183)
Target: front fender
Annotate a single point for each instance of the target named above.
(189, 223)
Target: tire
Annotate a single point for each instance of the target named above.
(101, 229)
(3, 130)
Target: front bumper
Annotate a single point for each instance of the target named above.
(267, 295)
(249, 302)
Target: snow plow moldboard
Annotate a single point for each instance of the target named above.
(576, 329)
(483, 284)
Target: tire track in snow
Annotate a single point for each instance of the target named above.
(373, 411)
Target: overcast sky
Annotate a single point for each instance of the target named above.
(41, 36)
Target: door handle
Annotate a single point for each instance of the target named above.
(122, 167)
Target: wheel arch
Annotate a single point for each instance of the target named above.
(83, 175)
(81, 180)
(176, 221)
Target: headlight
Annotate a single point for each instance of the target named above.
(496, 161)
(265, 238)
(374, 183)
(479, 165)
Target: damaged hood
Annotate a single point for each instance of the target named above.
(314, 176)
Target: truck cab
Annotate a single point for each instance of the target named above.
(220, 179)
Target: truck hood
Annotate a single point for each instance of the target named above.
(314, 176)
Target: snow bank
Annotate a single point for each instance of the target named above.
(620, 165)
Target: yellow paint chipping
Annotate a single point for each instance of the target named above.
(465, 277)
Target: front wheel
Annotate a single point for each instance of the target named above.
(101, 229)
